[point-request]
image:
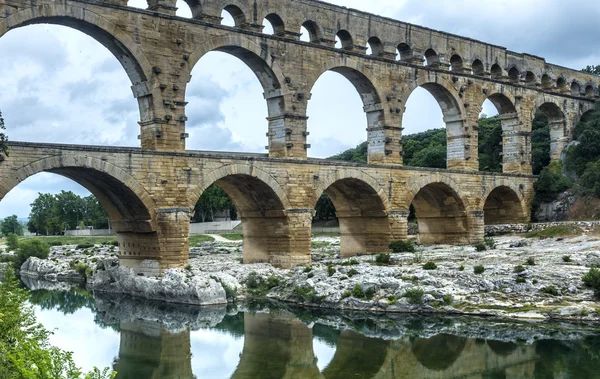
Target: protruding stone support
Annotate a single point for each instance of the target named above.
(398, 225)
(476, 226)
(385, 145)
(363, 234)
(287, 136)
(163, 6)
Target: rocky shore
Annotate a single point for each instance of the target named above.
(522, 278)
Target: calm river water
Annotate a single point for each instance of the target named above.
(155, 340)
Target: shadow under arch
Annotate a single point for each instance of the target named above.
(438, 353)
(261, 205)
(365, 83)
(126, 51)
(503, 205)
(452, 110)
(441, 213)
(361, 212)
(502, 348)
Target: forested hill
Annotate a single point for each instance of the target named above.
(428, 148)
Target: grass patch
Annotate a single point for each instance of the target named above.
(351, 262)
(530, 261)
(429, 266)
(319, 244)
(550, 290)
(592, 280)
(402, 246)
(326, 234)
(258, 286)
(352, 272)
(556, 231)
(567, 258)
(415, 295)
(383, 259)
(74, 240)
(480, 246)
(479, 269)
(232, 236)
(200, 238)
(518, 269)
(307, 295)
(520, 279)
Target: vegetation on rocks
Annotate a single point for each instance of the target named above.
(402, 246)
(592, 280)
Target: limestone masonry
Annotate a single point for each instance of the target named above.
(150, 192)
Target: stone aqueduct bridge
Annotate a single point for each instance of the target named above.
(149, 193)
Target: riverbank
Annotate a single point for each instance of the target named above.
(522, 278)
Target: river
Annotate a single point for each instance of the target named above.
(142, 339)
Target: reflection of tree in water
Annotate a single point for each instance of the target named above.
(439, 352)
(326, 334)
(577, 359)
(233, 324)
(502, 348)
(66, 302)
(356, 356)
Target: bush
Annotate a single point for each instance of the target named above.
(383, 259)
(480, 247)
(351, 262)
(31, 248)
(531, 261)
(12, 242)
(84, 245)
(489, 242)
(415, 295)
(448, 299)
(306, 294)
(83, 270)
(566, 258)
(352, 272)
(519, 269)
(358, 292)
(402, 246)
(592, 280)
(479, 269)
(550, 183)
(550, 290)
(556, 231)
(346, 294)
(307, 269)
(429, 266)
(520, 279)
(259, 286)
(331, 270)
(461, 268)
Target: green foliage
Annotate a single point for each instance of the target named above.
(414, 295)
(530, 261)
(12, 242)
(3, 137)
(383, 259)
(594, 70)
(307, 269)
(429, 266)
(490, 144)
(556, 231)
(31, 248)
(567, 258)
(11, 225)
(519, 269)
(592, 280)
(83, 270)
(425, 149)
(85, 245)
(540, 142)
(25, 350)
(550, 290)
(520, 280)
(480, 246)
(306, 294)
(489, 242)
(448, 299)
(232, 236)
(213, 200)
(258, 286)
(195, 239)
(331, 270)
(461, 268)
(479, 269)
(324, 210)
(352, 272)
(550, 183)
(358, 154)
(590, 179)
(358, 292)
(350, 262)
(402, 246)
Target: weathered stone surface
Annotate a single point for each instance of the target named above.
(37, 268)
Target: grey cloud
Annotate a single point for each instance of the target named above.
(29, 45)
(28, 110)
(204, 107)
(109, 65)
(117, 110)
(84, 89)
(212, 137)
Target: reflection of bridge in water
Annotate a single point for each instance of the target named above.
(278, 345)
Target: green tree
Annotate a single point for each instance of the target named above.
(3, 137)
(25, 350)
(213, 200)
(69, 209)
(12, 242)
(93, 213)
(540, 142)
(357, 154)
(43, 215)
(490, 144)
(324, 210)
(594, 70)
(11, 225)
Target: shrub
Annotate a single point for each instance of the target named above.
(253, 280)
(448, 299)
(358, 292)
(480, 247)
(520, 279)
(415, 295)
(383, 259)
(188, 268)
(592, 280)
(55, 243)
(566, 258)
(83, 270)
(259, 286)
(402, 246)
(31, 248)
(306, 294)
(550, 290)
(461, 268)
(307, 269)
(479, 269)
(429, 266)
(519, 269)
(86, 245)
(331, 270)
(352, 272)
(489, 242)
(346, 294)
(351, 262)
(12, 242)
(531, 261)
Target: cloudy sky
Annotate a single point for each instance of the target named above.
(59, 85)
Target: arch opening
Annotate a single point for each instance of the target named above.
(499, 147)
(589, 91)
(310, 32)
(361, 215)
(374, 46)
(478, 68)
(265, 228)
(441, 215)
(496, 71)
(514, 75)
(546, 81)
(503, 206)
(561, 83)
(227, 94)
(575, 88)
(37, 102)
(405, 53)
(233, 16)
(344, 119)
(456, 63)
(431, 58)
(273, 25)
(530, 77)
(547, 138)
(343, 40)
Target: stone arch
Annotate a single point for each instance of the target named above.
(456, 63)
(505, 104)
(589, 91)
(314, 31)
(440, 210)
(504, 204)
(514, 75)
(346, 39)
(405, 52)
(122, 196)
(127, 52)
(277, 23)
(530, 77)
(361, 208)
(496, 71)
(432, 59)
(575, 88)
(478, 68)
(376, 46)
(237, 13)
